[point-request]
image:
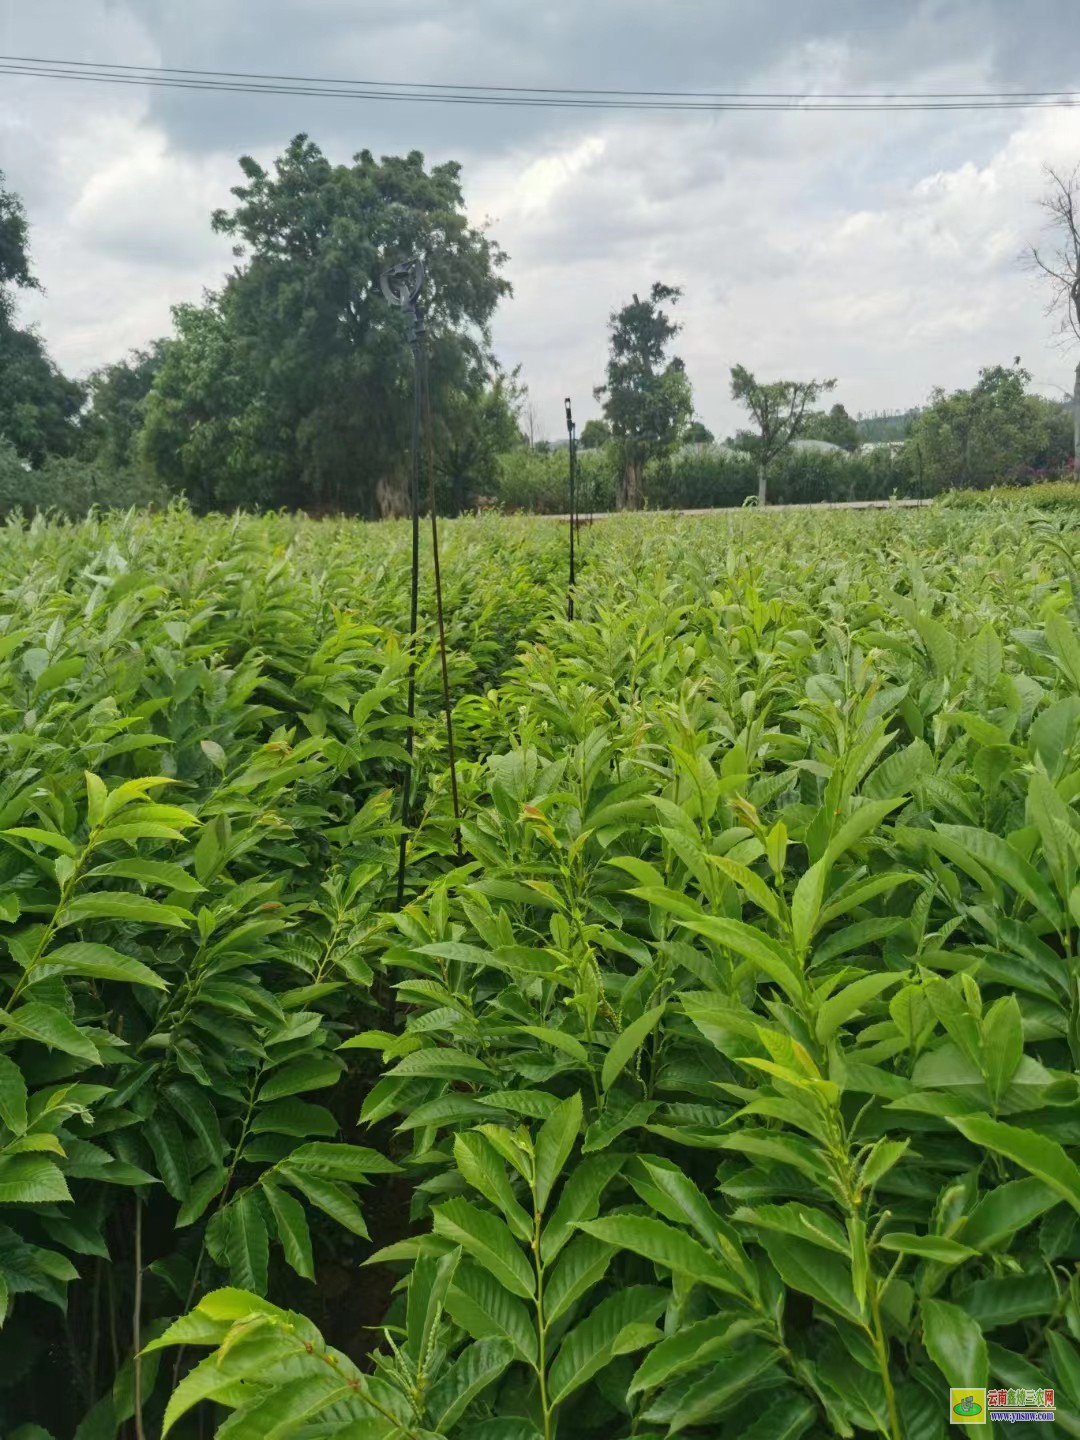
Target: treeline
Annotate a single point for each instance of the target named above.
(290, 386)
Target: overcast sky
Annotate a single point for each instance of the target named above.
(879, 249)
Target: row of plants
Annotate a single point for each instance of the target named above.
(68, 486)
(710, 477)
(724, 1083)
(1045, 493)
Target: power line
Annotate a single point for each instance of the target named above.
(241, 82)
(548, 90)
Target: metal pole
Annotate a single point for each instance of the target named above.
(573, 518)
(448, 708)
(416, 340)
(401, 284)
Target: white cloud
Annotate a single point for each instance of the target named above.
(880, 249)
(892, 285)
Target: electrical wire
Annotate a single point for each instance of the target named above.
(244, 82)
(549, 89)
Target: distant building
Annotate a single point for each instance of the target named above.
(819, 447)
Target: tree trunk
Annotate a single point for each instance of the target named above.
(392, 495)
(1076, 422)
(762, 483)
(629, 496)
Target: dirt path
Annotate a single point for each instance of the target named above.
(729, 509)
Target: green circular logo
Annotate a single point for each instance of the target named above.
(968, 1406)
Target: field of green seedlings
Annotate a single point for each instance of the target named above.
(726, 1087)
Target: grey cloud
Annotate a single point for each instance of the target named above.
(878, 248)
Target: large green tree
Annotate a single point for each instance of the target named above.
(211, 429)
(474, 431)
(973, 438)
(38, 405)
(298, 368)
(118, 395)
(594, 434)
(647, 398)
(780, 411)
(698, 433)
(834, 425)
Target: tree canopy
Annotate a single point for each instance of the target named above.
(780, 412)
(973, 438)
(118, 394)
(647, 398)
(39, 406)
(291, 386)
(835, 425)
(594, 433)
(697, 433)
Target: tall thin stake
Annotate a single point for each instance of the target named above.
(448, 708)
(570, 432)
(414, 597)
(401, 284)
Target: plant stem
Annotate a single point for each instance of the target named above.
(136, 1326)
(541, 1329)
(881, 1349)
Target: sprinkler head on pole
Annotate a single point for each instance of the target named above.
(401, 285)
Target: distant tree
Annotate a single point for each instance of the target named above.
(210, 430)
(39, 406)
(118, 394)
(15, 271)
(780, 412)
(836, 426)
(475, 430)
(697, 434)
(1059, 264)
(647, 399)
(885, 425)
(1058, 452)
(982, 436)
(594, 434)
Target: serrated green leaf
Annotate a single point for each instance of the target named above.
(579, 1200)
(1042, 1157)
(581, 1265)
(293, 1117)
(312, 1072)
(483, 1168)
(626, 1045)
(955, 1344)
(553, 1146)
(119, 905)
(246, 1244)
(689, 1347)
(592, 1343)
(203, 1189)
(664, 1245)
(333, 1199)
(488, 1240)
(31, 1180)
(838, 1009)
(12, 1096)
(478, 1366)
(291, 1225)
(485, 1310)
(98, 962)
(927, 1247)
(48, 1026)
